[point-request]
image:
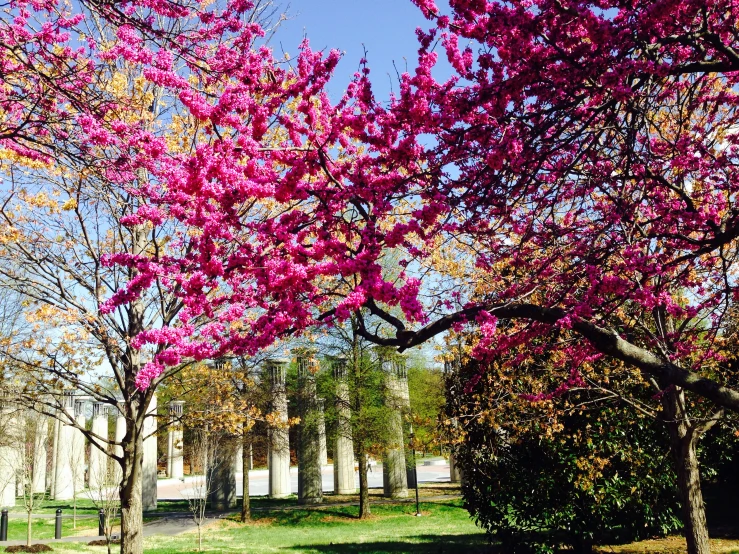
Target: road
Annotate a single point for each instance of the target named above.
(174, 489)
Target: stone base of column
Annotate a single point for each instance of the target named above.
(394, 477)
(222, 495)
(344, 482)
(455, 472)
(149, 473)
(279, 474)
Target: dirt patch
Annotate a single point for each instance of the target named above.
(333, 519)
(669, 545)
(424, 491)
(102, 543)
(235, 522)
(371, 517)
(32, 548)
(261, 522)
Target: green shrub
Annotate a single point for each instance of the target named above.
(582, 477)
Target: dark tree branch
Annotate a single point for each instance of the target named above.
(604, 340)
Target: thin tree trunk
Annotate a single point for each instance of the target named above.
(364, 504)
(245, 458)
(28, 529)
(132, 521)
(683, 439)
(131, 493)
(688, 482)
(359, 448)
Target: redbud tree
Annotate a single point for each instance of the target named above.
(101, 105)
(584, 151)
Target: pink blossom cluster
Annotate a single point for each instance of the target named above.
(586, 150)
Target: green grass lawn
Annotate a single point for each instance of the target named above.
(43, 528)
(444, 528)
(84, 506)
(257, 502)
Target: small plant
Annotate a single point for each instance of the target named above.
(205, 453)
(26, 435)
(106, 499)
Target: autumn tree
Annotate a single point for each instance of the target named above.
(100, 98)
(586, 150)
(223, 401)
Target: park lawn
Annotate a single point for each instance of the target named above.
(444, 527)
(43, 528)
(84, 506)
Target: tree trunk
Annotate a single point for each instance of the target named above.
(135, 405)
(364, 504)
(132, 521)
(688, 482)
(28, 528)
(583, 546)
(245, 459)
(683, 439)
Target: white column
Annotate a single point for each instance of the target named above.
(455, 472)
(63, 447)
(394, 476)
(344, 482)
(8, 455)
(279, 438)
(222, 495)
(40, 455)
(175, 460)
(97, 474)
(310, 486)
(120, 433)
(50, 478)
(238, 460)
(77, 458)
(322, 449)
(149, 496)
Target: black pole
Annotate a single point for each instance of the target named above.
(4, 526)
(415, 471)
(101, 523)
(58, 524)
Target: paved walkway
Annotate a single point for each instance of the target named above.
(429, 471)
(175, 523)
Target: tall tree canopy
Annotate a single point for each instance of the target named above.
(583, 153)
(582, 158)
(98, 102)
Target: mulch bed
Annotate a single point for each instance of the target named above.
(32, 548)
(102, 542)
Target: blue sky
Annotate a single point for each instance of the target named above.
(386, 28)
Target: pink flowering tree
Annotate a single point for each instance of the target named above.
(106, 108)
(585, 152)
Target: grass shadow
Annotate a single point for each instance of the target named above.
(429, 544)
(307, 517)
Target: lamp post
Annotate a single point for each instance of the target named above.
(415, 468)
